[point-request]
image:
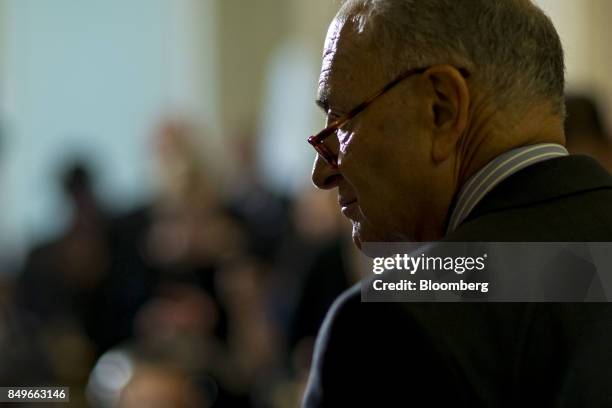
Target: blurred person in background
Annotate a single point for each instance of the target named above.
(585, 129)
(174, 337)
(324, 269)
(262, 213)
(442, 127)
(129, 377)
(157, 385)
(61, 278)
(61, 284)
(254, 343)
(178, 237)
(190, 232)
(313, 267)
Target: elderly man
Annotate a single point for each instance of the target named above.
(446, 123)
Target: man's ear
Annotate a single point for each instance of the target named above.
(450, 108)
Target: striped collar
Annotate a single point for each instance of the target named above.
(494, 172)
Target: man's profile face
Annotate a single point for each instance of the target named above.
(384, 176)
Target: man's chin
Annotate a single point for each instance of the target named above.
(363, 240)
(363, 234)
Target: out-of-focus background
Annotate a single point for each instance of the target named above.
(159, 237)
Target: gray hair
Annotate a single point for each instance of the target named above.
(510, 46)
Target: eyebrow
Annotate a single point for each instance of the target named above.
(323, 103)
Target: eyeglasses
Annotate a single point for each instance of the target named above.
(317, 141)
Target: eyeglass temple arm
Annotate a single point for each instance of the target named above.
(357, 109)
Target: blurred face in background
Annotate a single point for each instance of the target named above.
(386, 179)
(160, 387)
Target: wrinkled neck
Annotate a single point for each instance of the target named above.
(491, 133)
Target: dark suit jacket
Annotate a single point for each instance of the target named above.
(477, 354)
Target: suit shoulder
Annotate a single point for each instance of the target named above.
(344, 308)
(345, 303)
(331, 347)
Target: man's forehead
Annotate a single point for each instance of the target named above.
(343, 64)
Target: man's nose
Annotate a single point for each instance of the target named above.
(324, 176)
